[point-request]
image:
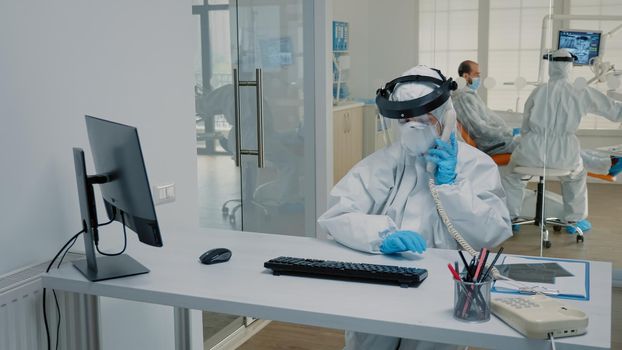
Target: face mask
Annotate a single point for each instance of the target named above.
(417, 137)
(474, 84)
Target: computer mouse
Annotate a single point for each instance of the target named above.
(215, 256)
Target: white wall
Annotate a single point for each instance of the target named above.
(383, 41)
(129, 61)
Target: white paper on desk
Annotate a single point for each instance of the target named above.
(571, 287)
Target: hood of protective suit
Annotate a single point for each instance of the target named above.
(411, 91)
(560, 70)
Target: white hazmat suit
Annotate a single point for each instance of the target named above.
(488, 129)
(388, 191)
(483, 125)
(552, 115)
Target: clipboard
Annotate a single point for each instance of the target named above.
(576, 287)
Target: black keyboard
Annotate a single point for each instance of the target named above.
(387, 274)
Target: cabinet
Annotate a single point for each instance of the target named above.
(347, 138)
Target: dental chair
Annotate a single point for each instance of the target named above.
(499, 159)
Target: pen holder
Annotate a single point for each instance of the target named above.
(472, 300)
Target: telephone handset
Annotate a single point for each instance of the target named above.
(449, 126)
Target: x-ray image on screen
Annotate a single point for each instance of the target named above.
(584, 45)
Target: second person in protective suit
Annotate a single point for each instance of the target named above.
(384, 204)
(551, 119)
(489, 131)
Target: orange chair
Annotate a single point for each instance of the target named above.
(500, 159)
(504, 158)
(605, 177)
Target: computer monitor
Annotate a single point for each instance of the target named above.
(122, 177)
(583, 44)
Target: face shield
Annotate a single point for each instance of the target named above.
(561, 62)
(419, 101)
(413, 96)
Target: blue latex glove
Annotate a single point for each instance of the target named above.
(515, 131)
(585, 225)
(445, 156)
(401, 241)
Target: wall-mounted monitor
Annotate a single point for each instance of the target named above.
(582, 43)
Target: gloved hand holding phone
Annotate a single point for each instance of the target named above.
(445, 156)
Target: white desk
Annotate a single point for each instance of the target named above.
(243, 286)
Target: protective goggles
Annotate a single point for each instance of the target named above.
(419, 106)
(549, 57)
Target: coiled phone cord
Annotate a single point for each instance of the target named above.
(452, 230)
(463, 243)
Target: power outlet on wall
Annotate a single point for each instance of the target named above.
(164, 193)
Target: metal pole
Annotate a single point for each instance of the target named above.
(182, 328)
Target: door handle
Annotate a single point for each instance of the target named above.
(259, 88)
(259, 152)
(349, 122)
(236, 102)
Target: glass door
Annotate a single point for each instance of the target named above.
(218, 178)
(253, 98)
(266, 45)
(275, 84)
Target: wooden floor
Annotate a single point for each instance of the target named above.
(602, 243)
(288, 336)
(616, 320)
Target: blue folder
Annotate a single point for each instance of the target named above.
(560, 295)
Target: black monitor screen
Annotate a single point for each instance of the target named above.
(117, 154)
(583, 44)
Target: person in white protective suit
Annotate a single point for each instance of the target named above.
(484, 126)
(552, 115)
(488, 129)
(384, 204)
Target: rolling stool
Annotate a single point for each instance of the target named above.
(539, 220)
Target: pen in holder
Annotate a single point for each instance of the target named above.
(472, 300)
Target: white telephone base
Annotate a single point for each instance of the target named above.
(538, 315)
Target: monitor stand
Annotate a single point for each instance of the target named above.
(109, 267)
(105, 267)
